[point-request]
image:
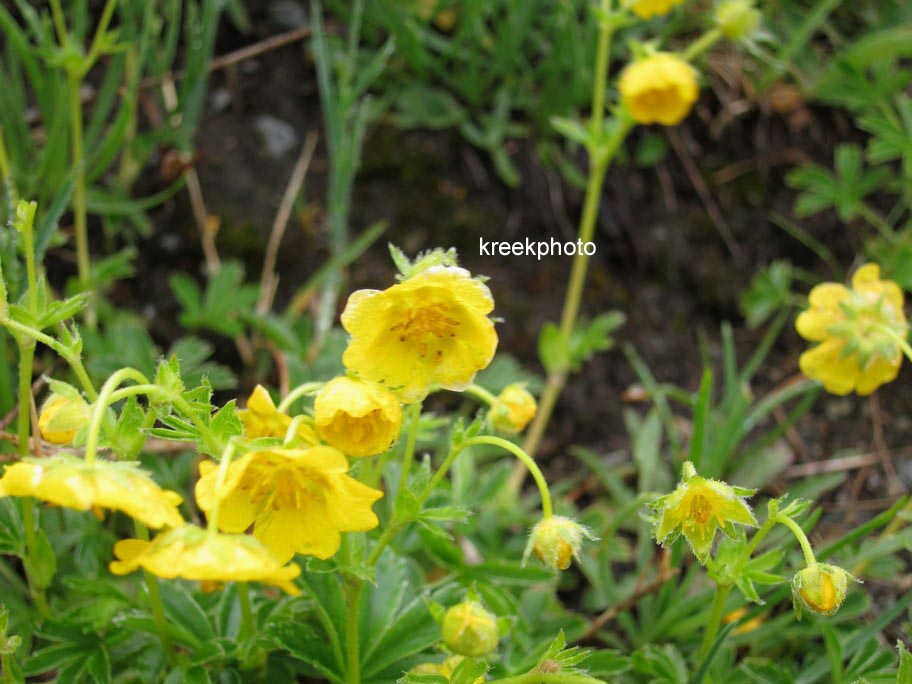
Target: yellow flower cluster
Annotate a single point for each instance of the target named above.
(861, 332)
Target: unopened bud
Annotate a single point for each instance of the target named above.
(820, 588)
(470, 630)
(514, 408)
(62, 418)
(556, 540)
(737, 19)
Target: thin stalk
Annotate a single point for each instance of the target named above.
(66, 354)
(101, 404)
(219, 482)
(155, 602)
(248, 627)
(353, 633)
(304, 390)
(701, 45)
(598, 166)
(715, 619)
(26, 357)
(31, 540)
(100, 30)
(806, 549)
(527, 461)
(481, 393)
(414, 414)
(79, 194)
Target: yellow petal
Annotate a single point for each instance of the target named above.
(825, 363)
(879, 372)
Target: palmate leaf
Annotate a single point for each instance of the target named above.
(843, 190)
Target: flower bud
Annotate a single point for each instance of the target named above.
(820, 588)
(556, 540)
(358, 418)
(737, 19)
(514, 408)
(444, 669)
(62, 418)
(470, 630)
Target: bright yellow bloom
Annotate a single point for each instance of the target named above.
(556, 540)
(444, 669)
(357, 417)
(697, 508)
(514, 408)
(62, 418)
(298, 500)
(660, 88)
(470, 630)
(261, 418)
(430, 329)
(859, 331)
(70, 482)
(196, 554)
(820, 589)
(647, 9)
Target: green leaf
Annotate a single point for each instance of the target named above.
(41, 562)
(128, 438)
(904, 675)
(769, 292)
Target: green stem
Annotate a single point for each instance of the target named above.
(100, 31)
(225, 461)
(155, 602)
(304, 390)
(79, 194)
(66, 354)
(483, 394)
(133, 391)
(101, 404)
(598, 165)
(526, 459)
(758, 536)
(30, 523)
(701, 45)
(414, 415)
(353, 633)
(716, 613)
(248, 626)
(878, 222)
(214, 443)
(26, 357)
(806, 549)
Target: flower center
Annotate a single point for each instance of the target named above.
(700, 509)
(425, 325)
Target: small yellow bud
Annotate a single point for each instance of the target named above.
(61, 418)
(357, 417)
(470, 630)
(737, 19)
(514, 408)
(444, 669)
(820, 588)
(556, 540)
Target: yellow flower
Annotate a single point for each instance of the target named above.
(820, 589)
(192, 553)
(747, 627)
(697, 508)
(430, 329)
(70, 482)
(444, 669)
(859, 331)
(660, 88)
(514, 408)
(647, 9)
(62, 418)
(470, 630)
(556, 540)
(298, 500)
(261, 418)
(357, 417)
